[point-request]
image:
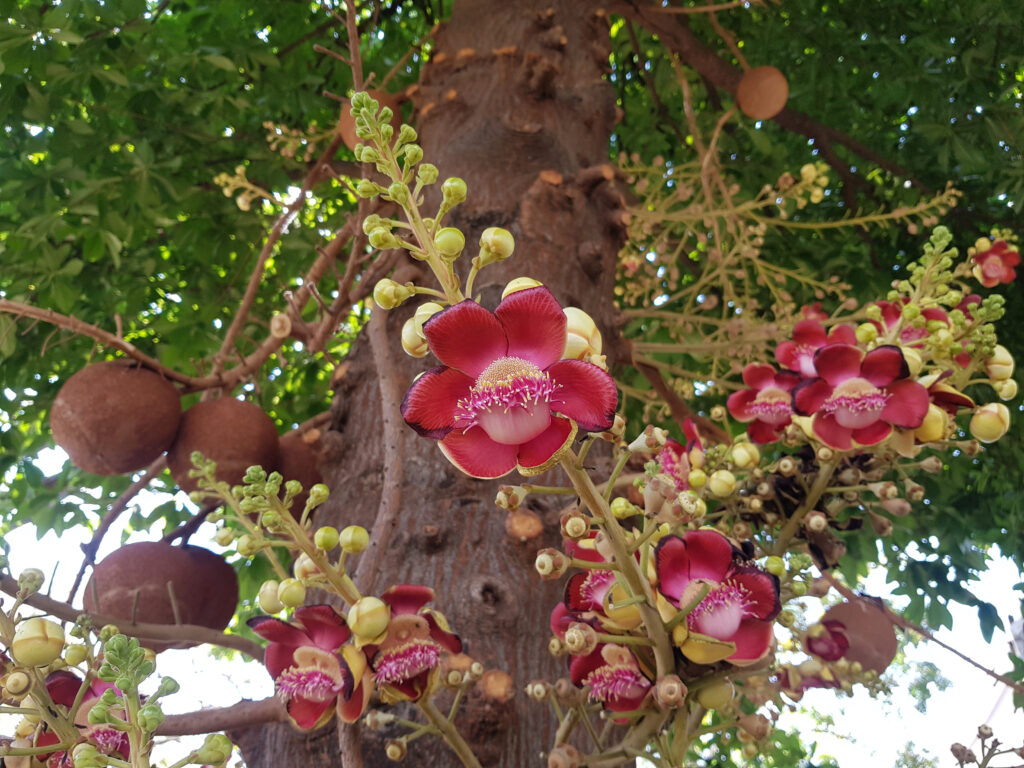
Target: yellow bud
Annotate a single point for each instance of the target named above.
(369, 618)
(496, 244)
(582, 337)
(808, 172)
(37, 642)
(414, 344)
(745, 455)
(914, 361)
(990, 422)
(304, 567)
(17, 683)
(935, 425)
(423, 313)
(1006, 389)
(291, 593)
(1000, 365)
(697, 479)
(267, 597)
(354, 539)
(388, 294)
(722, 483)
(520, 284)
(75, 655)
(716, 695)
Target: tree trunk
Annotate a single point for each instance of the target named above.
(513, 101)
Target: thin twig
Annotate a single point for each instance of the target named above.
(680, 410)
(239, 715)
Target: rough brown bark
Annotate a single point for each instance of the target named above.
(514, 101)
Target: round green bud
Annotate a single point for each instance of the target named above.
(398, 192)
(215, 750)
(354, 539)
(75, 655)
(413, 154)
(450, 242)
(775, 566)
(366, 188)
(622, 508)
(326, 537)
(716, 695)
(866, 333)
(388, 294)
(369, 618)
(291, 593)
(426, 174)
(453, 191)
(496, 244)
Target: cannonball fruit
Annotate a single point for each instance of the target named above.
(347, 123)
(130, 585)
(298, 462)
(233, 433)
(762, 93)
(115, 417)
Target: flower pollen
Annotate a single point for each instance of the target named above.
(856, 403)
(403, 663)
(308, 683)
(616, 682)
(509, 400)
(720, 613)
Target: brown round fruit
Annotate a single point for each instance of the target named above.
(347, 123)
(298, 462)
(871, 635)
(233, 433)
(762, 93)
(130, 585)
(115, 417)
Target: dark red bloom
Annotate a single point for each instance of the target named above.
(738, 610)
(405, 662)
(767, 404)
(830, 643)
(613, 675)
(996, 264)
(503, 397)
(808, 337)
(310, 675)
(860, 397)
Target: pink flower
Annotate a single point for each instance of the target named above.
(614, 677)
(996, 264)
(892, 312)
(768, 403)
(504, 398)
(674, 458)
(308, 672)
(808, 337)
(831, 643)
(405, 662)
(734, 620)
(860, 397)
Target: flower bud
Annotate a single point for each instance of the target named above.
(775, 565)
(496, 244)
(224, 536)
(756, 725)
(1006, 389)
(75, 655)
(519, 284)
(291, 593)
(580, 639)
(414, 343)
(651, 440)
(395, 750)
(788, 466)
(37, 642)
(932, 465)
(669, 691)
(388, 294)
(450, 242)
(722, 483)
(413, 153)
(369, 618)
(935, 425)
(538, 690)
(423, 313)
(318, 494)
(574, 525)
(399, 192)
(582, 337)
(716, 695)
(622, 508)
(453, 191)
(366, 188)
(17, 683)
(551, 564)
(866, 333)
(897, 506)
(999, 365)
(326, 537)
(215, 750)
(30, 581)
(248, 545)
(990, 422)
(426, 174)
(816, 522)
(354, 539)
(509, 497)
(304, 567)
(87, 756)
(267, 597)
(914, 360)
(984, 732)
(744, 455)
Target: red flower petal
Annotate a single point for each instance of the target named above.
(587, 395)
(547, 444)
(759, 375)
(477, 455)
(753, 640)
(351, 710)
(831, 433)
(561, 618)
(907, 405)
(836, 363)
(883, 365)
(576, 598)
(672, 564)
(843, 334)
(788, 380)
(277, 631)
(810, 396)
(466, 336)
(581, 666)
(763, 433)
(277, 658)
(873, 433)
(739, 404)
(429, 405)
(407, 598)
(307, 713)
(534, 324)
(809, 333)
(325, 626)
(763, 590)
(786, 355)
(63, 687)
(447, 640)
(710, 554)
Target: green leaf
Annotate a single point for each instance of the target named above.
(8, 336)
(221, 62)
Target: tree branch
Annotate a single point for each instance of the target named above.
(239, 715)
(680, 410)
(143, 631)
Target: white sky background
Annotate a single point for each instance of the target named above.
(865, 731)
